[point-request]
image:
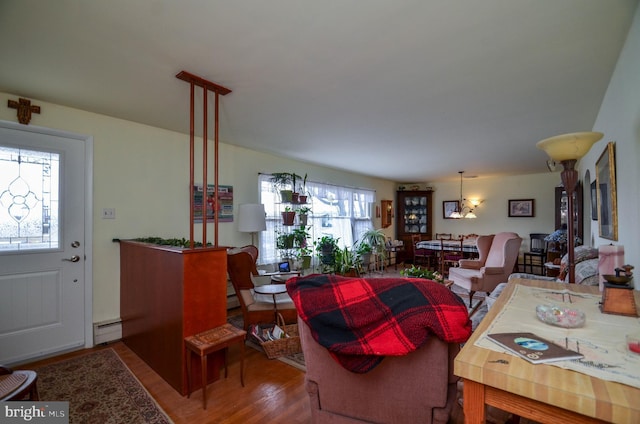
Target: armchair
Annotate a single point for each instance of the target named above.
(418, 387)
(241, 266)
(497, 256)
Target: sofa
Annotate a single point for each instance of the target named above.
(586, 271)
(402, 389)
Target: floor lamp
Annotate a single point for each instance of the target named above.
(568, 149)
(251, 219)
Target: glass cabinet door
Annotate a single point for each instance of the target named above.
(415, 214)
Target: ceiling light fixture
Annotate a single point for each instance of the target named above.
(463, 211)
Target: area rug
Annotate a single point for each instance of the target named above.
(100, 389)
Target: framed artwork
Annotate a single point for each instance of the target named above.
(223, 205)
(521, 208)
(606, 193)
(594, 201)
(449, 207)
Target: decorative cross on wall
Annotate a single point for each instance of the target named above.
(25, 109)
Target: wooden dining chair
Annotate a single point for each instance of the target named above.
(450, 258)
(470, 239)
(442, 237)
(422, 256)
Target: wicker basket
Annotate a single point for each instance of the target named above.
(285, 346)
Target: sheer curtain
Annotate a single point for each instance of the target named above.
(339, 211)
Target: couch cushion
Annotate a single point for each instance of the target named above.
(581, 253)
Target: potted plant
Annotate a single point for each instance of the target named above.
(288, 216)
(285, 241)
(303, 193)
(364, 251)
(417, 272)
(326, 248)
(295, 195)
(376, 239)
(304, 257)
(346, 263)
(282, 181)
(303, 215)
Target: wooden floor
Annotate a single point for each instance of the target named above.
(274, 391)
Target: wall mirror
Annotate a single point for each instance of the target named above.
(606, 193)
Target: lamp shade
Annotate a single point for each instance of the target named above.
(569, 146)
(251, 218)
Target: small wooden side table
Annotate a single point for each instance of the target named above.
(210, 341)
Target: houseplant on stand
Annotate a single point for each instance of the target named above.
(326, 248)
(288, 216)
(282, 181)
(376, 240)
(303, 214)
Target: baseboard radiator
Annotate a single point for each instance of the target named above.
(107, 331)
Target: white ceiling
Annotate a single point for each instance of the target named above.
(403, 90)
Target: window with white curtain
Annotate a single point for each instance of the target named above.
(342, 212)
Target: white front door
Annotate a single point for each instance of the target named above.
(42, 242)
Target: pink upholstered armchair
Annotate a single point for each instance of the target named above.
(416, 388)
(498, 255)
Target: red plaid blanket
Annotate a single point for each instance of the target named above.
(361, 320)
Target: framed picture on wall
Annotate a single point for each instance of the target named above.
(521, 208)
(449, 207)
(606, 193)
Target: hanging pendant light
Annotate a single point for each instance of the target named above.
(462, 211)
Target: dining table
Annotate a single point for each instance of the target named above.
(469, 248)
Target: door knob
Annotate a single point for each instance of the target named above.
(74, 258)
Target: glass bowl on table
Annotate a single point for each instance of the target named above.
(561, 316)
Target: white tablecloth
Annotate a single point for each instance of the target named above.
(601, 340)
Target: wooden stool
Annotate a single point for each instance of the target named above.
(212, 341)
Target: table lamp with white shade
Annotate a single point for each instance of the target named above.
(251, 219)
(567, 149)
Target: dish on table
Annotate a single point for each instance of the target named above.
(560, 316)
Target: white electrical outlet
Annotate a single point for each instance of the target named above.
(108, 213)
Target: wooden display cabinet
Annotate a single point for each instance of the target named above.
(414, 212)
(167, 294)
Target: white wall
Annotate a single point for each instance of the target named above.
(619, 120)
(493, 216)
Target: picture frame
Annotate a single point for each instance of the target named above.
(449, 207)
(606, 193)
(594, 201)
(521, 208)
